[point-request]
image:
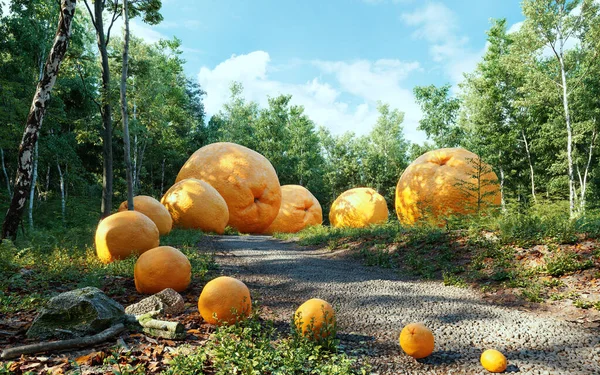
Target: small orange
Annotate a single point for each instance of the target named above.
(315, 318)
(417, 340)
(358, 208)
(299, 209)
(160, 268)
(154, 210)
(125, 233)
(224, 300)
(493, 361)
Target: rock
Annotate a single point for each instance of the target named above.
(76, 313)
(168, 300)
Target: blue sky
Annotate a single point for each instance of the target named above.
(336, 57)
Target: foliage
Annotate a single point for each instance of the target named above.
(253, 346)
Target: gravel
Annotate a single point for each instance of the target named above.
(372, 306)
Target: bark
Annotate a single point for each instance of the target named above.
(532, 176)
(35, 119)
(102, 40)
(502, 200)
(124, 111)
(33, 181)
(62, 192)
(5, 173)
(63, 344)
(47, 183)
(158, 328)
(585, 173)
(162, 177)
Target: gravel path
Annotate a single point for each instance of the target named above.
(372, 305)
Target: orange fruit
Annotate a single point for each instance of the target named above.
(299, 209)
(246, 180)
(315, 318)
(123, 234)
(160, 268)
(357, 208)
(224, 300)
(416, 340)
(195, 204)
(443, 182)
(154, 210)
(493, 361)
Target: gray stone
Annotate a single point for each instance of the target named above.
(76, 313)
(168, 300)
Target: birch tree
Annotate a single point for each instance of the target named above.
(35, 119)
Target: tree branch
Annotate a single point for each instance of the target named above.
(91, 14)
(17, 351)
(115, 17)
(84, 88)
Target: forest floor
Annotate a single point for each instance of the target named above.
(373, 304)
(473, 295)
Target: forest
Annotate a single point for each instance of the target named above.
(530, 109)
(122, 117)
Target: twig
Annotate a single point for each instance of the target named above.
(63, 344)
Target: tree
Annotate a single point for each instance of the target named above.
(387, 151)
(551, 24)
(35, 118)
(440, 113)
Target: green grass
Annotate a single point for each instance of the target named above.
(57, 257)
(254, 346)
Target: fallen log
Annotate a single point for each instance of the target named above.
(17, 351)
(158, 328)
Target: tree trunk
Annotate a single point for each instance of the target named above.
(585, 173)
(33, 181)
(62, 192)
(106, 111)
(124, 112)
(502, 200)
(162, 177)
(530, 166)
(47, 190)
(35, 119)
(5, 173)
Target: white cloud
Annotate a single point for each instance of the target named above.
(343, 98)
(515, 27)
(439, 26)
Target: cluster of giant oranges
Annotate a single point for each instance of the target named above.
(225, 184)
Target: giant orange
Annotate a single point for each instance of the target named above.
(160, 268)
(224, 300)
(154, 210)
(194, 204)
(445, 182)
(123, 234)
(246, 180)
(357, 208)
(299, 209)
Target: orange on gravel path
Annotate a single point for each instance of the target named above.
(227, 298)
(246, 180)
(416, 340)
(195, 204)
(123, 234)
(493, 361)
(442, 182)
(154, 210)
(160, 268)
(299, 209)
(357, 208)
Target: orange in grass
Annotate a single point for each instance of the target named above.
(224, 300)
(160, 268)
(315, 318)
(123, 234)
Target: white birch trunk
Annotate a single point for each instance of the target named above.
(532, 176)
(33, 182)
(62, 192)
